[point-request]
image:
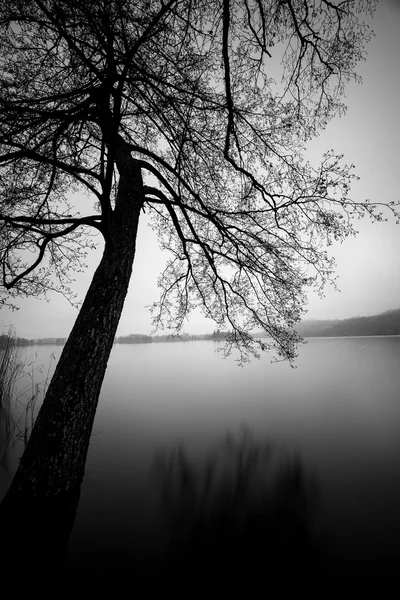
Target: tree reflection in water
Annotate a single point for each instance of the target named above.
(244, 517)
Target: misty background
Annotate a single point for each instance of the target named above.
(367, 265)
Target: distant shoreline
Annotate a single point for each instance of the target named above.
(203, 339)
(386, 324)
(340, 337)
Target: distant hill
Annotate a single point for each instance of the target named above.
(315, 327)
(387, 323)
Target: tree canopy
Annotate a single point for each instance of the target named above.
(215, 102)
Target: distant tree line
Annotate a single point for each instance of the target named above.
(21, 341)
(139, 338)
(218, 335)
(134, 338)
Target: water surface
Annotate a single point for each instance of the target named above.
(337, 414)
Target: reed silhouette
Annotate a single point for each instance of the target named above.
(12, 367)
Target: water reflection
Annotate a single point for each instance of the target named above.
(242, 518)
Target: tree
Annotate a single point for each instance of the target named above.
(167, 107)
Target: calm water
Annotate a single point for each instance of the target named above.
(338, 412)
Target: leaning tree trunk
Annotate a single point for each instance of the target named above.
(38, 511)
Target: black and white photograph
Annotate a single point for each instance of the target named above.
(200, 298)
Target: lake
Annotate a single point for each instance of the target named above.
(321, 440)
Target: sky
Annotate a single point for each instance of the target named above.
(368, 266)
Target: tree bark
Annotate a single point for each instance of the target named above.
(38, 511)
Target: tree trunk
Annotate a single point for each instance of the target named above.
(38, 511)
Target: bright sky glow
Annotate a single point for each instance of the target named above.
(367, 266)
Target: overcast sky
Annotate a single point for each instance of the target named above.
(368, 266)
